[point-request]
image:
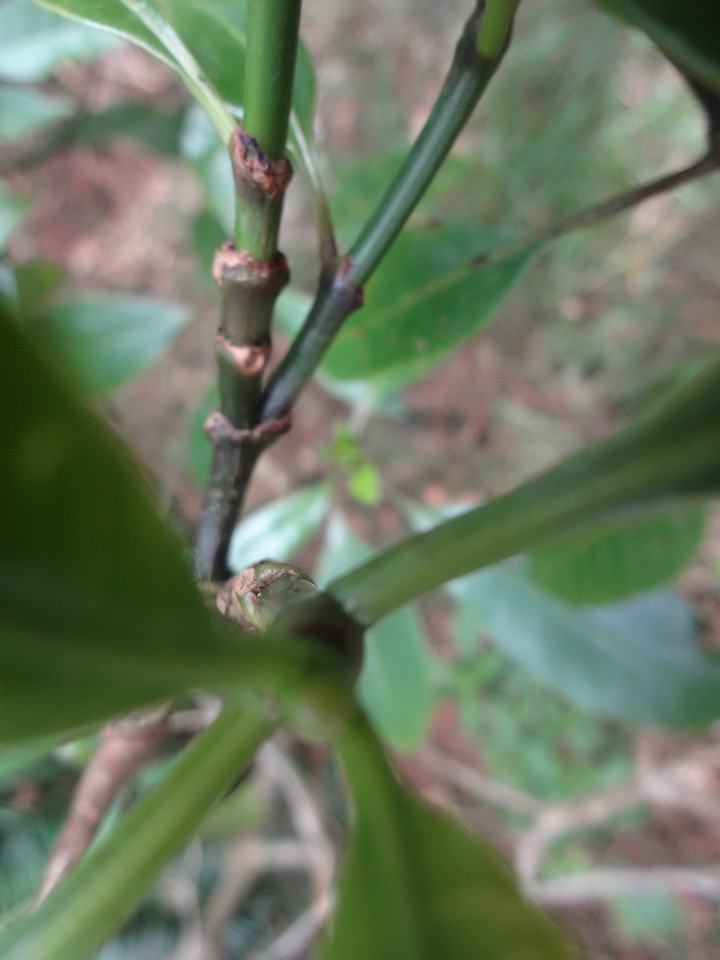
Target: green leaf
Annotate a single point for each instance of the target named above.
(111, 880)
(214, 33)
(200, 146)
(23, 112)
(104, 341)
(416, 885)
(394, 685)
(430, 294)
(278, 530)
(98, 613)
(34, 41)
(616, 562)
(689, 32)
(636, 661)
(152, 128)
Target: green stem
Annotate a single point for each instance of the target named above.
(465, 83)
(339, 291)
(673, 452)
(272, 42)
(251, 273)
(495, 27)
(104, 888)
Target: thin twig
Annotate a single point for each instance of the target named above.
(124, 748)
(631, 198)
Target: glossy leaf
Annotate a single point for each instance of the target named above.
(636, 661)
(614, 563)
(34, 41)
(279, 529)
(394, 684)
(416, 885)
(103, 341)
(689, 32)
(429, 294)
(23, 112)
(98, 612)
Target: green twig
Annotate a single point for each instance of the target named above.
(674, 452)
(271, 53)
(340, 286)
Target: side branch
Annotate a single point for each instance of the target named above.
(336, 299)
(631, 198)
(465, 83)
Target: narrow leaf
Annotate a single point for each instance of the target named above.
(636, 661)
(613, 563)
(104, 341)
(430, 294)
(416, 885)
(395, 683)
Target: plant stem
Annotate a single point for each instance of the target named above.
(674, 452)
(250, 273)
(495, 27)
(340, 289)
(273, 29)
(272, 41)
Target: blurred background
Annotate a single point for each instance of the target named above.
(114, 197)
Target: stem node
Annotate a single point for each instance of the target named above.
(254, 170)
